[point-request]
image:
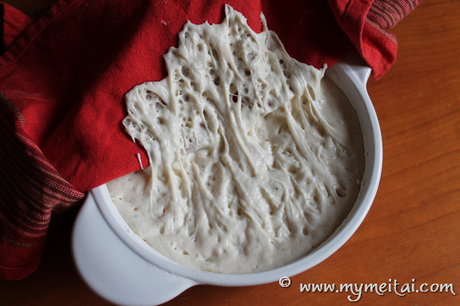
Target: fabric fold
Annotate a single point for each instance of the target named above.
(30, 190)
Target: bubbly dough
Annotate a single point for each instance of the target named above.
(255, 158)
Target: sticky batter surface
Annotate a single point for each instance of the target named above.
(255, 158)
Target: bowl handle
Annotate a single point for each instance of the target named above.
(112, 270)
(353, 63)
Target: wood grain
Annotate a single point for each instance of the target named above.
(412, 231)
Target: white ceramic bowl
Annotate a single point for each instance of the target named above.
(122, 268)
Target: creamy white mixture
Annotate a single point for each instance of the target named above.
(255, 158)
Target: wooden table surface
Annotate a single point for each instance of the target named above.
(411, 233)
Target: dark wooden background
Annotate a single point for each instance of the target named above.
(412, 230)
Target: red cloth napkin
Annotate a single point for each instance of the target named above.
(63, 78)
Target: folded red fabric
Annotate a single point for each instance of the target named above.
(64, 76)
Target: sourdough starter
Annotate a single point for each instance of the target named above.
(255, 158)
